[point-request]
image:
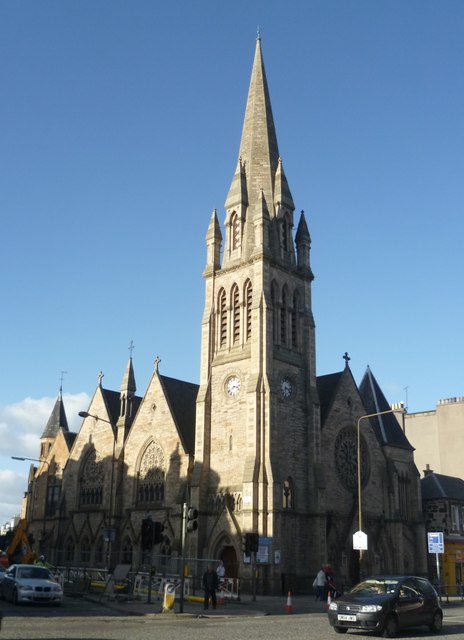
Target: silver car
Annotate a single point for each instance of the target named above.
(30, 583)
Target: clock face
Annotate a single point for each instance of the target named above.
(286, 388)
(233, 385)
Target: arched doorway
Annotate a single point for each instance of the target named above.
(228, 556)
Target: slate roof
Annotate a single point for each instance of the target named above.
(57, 420)
(113, 402)
(435, 486)
(182, 398)
(386, 427)
(327, 386)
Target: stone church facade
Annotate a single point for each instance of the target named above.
(261, 444)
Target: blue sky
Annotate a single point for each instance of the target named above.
(120, 128)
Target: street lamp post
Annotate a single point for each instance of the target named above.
(110, 532)
(41, 460)
(370, 415)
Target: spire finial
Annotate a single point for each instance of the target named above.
(63, 373)
(131, 347)
(346, 358)
(258, 34)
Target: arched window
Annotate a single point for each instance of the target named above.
(85, 549)
(235, 314)
(235, 230)
(150, 485)
(288, 497)
(99, 549)
(283, 318)
(127, 551)
(91, 482)
(70, 550)
(274, 313)
(248, 303)
(294, 319)
(222, 318)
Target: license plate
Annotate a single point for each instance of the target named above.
(346, 618)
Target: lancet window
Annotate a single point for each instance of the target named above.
(236, 314)
(235, 231)
(222, 318)
(283, 318)
(248, 303)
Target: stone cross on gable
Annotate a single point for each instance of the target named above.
(100, 378)
(157, 361)
(346, 358)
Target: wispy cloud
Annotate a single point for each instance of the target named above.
(21, 425)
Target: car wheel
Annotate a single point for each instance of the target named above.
(340, 629)
(390, 629)
(437, 622)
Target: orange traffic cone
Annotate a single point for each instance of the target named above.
(329, 599)
(289, 607)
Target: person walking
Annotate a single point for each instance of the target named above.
(210, 585)
(320, 582)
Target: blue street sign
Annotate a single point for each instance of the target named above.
(435, 542)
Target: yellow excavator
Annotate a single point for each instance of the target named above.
(20, 550)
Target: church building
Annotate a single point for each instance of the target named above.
(261, 445)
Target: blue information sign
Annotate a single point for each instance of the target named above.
(436, 542)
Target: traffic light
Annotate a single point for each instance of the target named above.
(147, 534)
(192, 522)
(158, 533)
(251, 544)
(254, 542)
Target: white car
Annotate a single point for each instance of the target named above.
(30, 583)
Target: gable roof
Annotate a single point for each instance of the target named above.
(182, 398)
(327, 386)
(435, 485)
(386, 427)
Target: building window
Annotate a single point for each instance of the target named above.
(127, 551)
(85, 550)
(150, 486)
(455, 518)
(248, 303)
(283, 318)
(275, 323)
(294, 320)
(70, 550)
(99, 549)
(91, 482)
(403, 496)
(53, 496)
(288, 494)
(235, 230)
(286, 232)
(235, 314)
(222, 318)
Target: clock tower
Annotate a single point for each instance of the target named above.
(258, 426)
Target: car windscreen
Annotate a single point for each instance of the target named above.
(33, 573)
(375, 587)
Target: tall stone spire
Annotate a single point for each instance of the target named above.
(259, 151)
(57, 419)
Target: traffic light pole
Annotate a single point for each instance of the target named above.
(182, 554)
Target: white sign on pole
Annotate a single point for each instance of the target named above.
(436, 542)
(360, 541)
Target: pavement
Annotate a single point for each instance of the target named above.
(246, 606)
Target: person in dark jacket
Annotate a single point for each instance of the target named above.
(210, 585)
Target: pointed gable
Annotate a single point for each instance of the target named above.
(182, 397)
(57, 420)
(386, 427)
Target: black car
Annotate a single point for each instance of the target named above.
(386, 604)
